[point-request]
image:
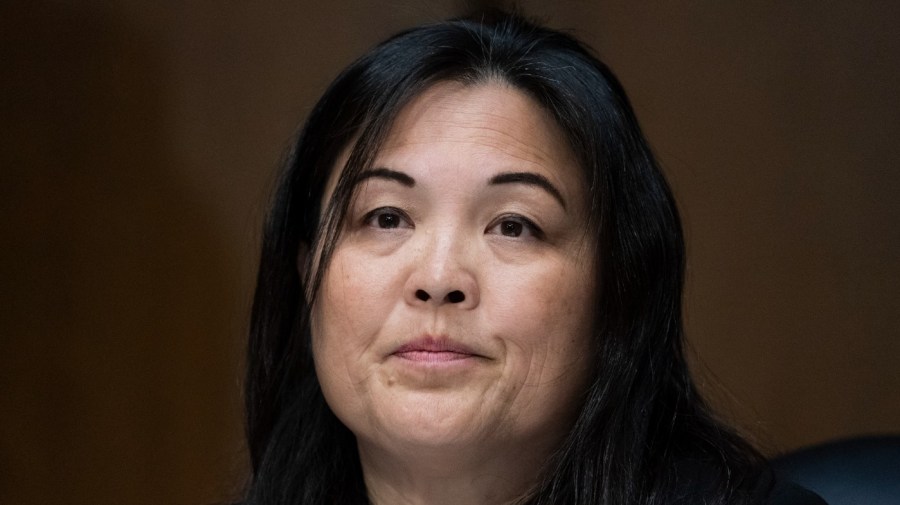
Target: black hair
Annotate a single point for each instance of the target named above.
(643, 434)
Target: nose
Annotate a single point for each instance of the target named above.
(442, 273)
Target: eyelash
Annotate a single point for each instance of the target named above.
(528, 226)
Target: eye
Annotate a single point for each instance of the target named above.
(387, 218)
(515, 227)
(511, 228)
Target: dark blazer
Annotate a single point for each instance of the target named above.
(788, 493)
(698, 479)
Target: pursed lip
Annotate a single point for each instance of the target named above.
(431, 348)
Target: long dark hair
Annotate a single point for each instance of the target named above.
(643, 434)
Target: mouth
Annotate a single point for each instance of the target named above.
(431, 349)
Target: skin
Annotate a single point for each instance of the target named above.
(486, 278)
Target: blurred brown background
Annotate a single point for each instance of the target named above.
(138, 142)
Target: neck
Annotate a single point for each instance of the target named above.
(440, 476)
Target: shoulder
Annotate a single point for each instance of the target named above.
(699, 481)
(788, 493)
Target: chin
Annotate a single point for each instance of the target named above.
(426, 420)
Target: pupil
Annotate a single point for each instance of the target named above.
(387, 221)
(511, 228)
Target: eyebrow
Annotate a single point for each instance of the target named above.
(387, 173)
(531, 179)
(527, 178)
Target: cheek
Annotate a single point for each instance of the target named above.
(546, 315)
(556, 341)
(350, 310)
(327, 322)
(335, 321)
(338, 335)
(556, 301)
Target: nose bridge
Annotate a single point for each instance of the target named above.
(444, 250)
(444, 268)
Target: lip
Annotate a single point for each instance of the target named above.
(431, 349)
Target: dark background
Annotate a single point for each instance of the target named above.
(139, 140)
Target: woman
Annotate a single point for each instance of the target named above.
(470, 292)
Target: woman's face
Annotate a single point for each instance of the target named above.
(457, 307)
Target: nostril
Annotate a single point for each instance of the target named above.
(422, 295)
(455, 296)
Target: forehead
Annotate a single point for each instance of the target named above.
(494, 116)
(473, 132)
